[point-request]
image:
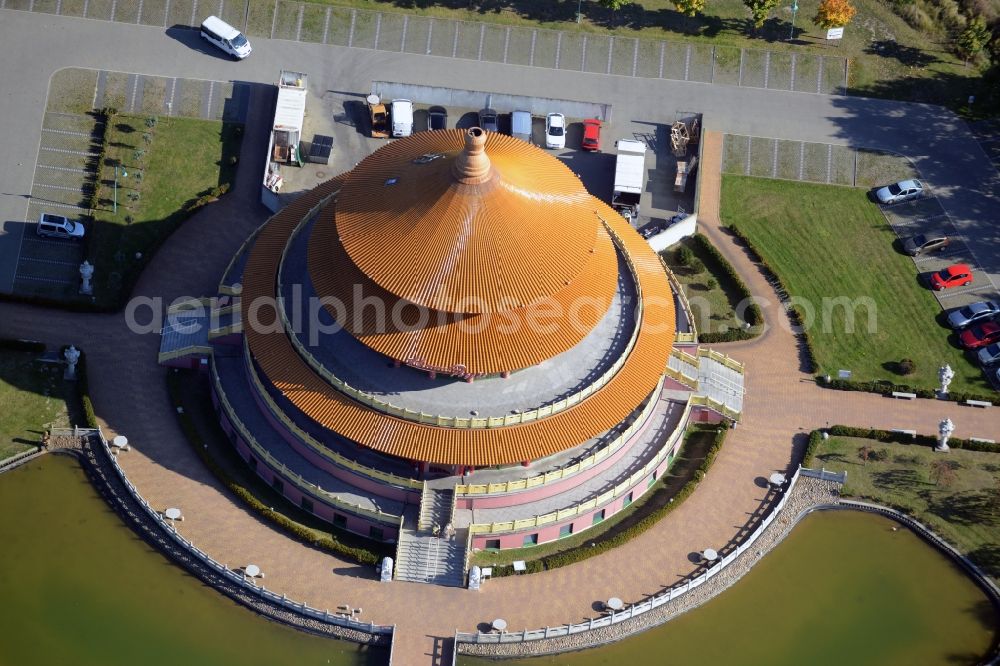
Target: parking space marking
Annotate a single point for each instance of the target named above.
(69, 169)
(44, 241)
(85, 153)
(49, 261)
(66, 132)
(56, 204)
(531, 57)
(326, 24)
(430, 34)
(350, 34)
(60, 187)
(948, 293)
(18, 276)
(942, 256)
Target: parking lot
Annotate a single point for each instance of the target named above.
(66, 166)
(344, 116)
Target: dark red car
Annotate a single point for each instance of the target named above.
(980, 335)
(591, 134)
(957, 275)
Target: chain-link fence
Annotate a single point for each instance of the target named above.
(534, 47)
(813, 162)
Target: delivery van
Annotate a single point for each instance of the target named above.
(402, 117)
(226, 37)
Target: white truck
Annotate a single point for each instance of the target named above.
(630, 171)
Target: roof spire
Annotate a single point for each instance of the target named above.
(472, 166)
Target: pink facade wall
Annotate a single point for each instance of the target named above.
(551, 489)
(580, 523)
(357, 524)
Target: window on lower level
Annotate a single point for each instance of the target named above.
(565, 530)
(307, 504)
(376, 533)
(628, 500)
(599, 517)
(252, 462)
(277, 484)
(530, 540)
(652, 480)
(339, 520)
(493, 544)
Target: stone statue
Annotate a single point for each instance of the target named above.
(72, 355)
(945, 375)
(86, 273)
(475, 577)
(385, 571)
(945, 428)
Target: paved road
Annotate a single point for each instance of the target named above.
(781, 403)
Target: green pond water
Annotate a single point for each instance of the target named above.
(843, 588)
(77, 587)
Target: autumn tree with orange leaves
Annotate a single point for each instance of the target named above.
(834, 13)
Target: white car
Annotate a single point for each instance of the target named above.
(904, 190)
(555, 131)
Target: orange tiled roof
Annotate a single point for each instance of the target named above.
(478, 344)
(480, 447)
(467, 235)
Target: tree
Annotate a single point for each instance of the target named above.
(834, 13)
(759, 10)
(942, 472)
(973, 39)
(614, 5)
(690, 7)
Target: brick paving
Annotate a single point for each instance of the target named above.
(129, 393)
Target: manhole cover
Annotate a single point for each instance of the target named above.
(321, 174)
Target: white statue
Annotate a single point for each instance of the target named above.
(475, 577)
(945, 375)
(945, 428)
(86, 273)
(385, 572)
(72, 355)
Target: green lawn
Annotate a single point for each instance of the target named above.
(167, 166)
(697, 441)
(888, 57)
(963, 506)
(711, 293)
(830, 244)
(32, 397)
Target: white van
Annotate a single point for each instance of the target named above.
(520, 125)
(57, 226)
(226, 37)
(402, 117)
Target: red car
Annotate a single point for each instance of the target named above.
(591, 134)
(980, 335)
(957, 275)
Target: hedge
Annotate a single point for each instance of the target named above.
(902, 438)
(815, 439)
(12, 344)
(794, 312)
(83, 388)
(299, 531)
(886, 387)
(753, 314)
(599, 546)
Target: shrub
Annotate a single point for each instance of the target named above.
(907, 367)
(731, 335)
(685, 256)
(14, 344)
(753, 314)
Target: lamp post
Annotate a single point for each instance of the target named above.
(124, 175)
(795, 8)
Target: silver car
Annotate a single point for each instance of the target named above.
(989, 355)
(904, 190)
(975, 312)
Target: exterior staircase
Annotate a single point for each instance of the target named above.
(421, 555)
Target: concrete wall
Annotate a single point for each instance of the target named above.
(674, 233)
